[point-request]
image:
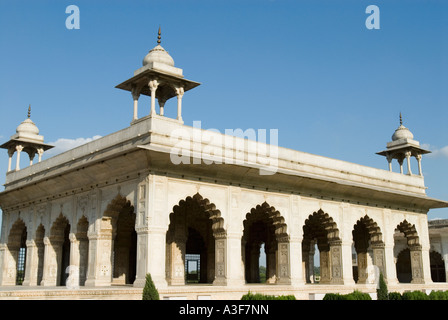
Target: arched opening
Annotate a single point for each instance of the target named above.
(409, 265)
(60, 242)
(438, 272)
(367, 238)
(321, 231)
(195, 227)
(17, 248)
(264, 227)
(195, 258)
(124, 238)
(404, 272)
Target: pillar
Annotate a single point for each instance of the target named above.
(362, 267)
(220, 259)
(50, 268)
(73, 272)
(176, 255)
(336, 256)
(324, 253)
(19, 149)
(153, 84)
(390, 273)
(389, 160)
(32, 154)
(416, 264)
(151, 251)
(9, 267)
(40, 152)
(161, 105)
(296, 269)
(308, 262)
(32, 260)
(283, 262)
(180, 94)
(379, 258)
(235, 257)
(10, 154)
(419, 161)
(135, 96)
(99, 271)
(408, 159)
(400, 162)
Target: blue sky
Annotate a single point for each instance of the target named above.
(310, 69)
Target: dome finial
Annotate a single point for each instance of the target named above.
(159, 36)
(401, 120)
(29, 111)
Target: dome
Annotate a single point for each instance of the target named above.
(27, 127)
(402, 133)
(160, 55)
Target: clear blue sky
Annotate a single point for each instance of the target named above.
(310, 69)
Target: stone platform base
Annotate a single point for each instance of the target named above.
(200, 292)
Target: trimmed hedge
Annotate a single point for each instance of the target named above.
(355, 295)
(438, 295)
(260, 296)
(395, 296)
(419, 295)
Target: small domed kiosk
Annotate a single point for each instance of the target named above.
(158, 78)
(26, 139)
(403, 146)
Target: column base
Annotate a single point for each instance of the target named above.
(220, 282)
(97, 283)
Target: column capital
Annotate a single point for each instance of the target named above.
(153, 84)
(180, 91)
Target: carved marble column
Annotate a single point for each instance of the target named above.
(32, 260)
(379, 259)
(336, 262)
(9, 268)
(362, 267)
(100, 255)
(325, 267)
(271, 262)
(176, 256)
(50, 268)
(416, 264)
(283, 267)
(220, 260)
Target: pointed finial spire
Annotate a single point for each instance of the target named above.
(29, 111)
(401, 120)
(159, 36)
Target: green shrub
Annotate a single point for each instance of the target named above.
(395, 296)
(438, 295)
(415, 295)
(355, 295)
(358, 295)
(150, 291)
(260, 296)
(334, 296)
(382, 292)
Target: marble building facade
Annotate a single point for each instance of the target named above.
(108, 212)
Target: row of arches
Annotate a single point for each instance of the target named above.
(195, 248)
